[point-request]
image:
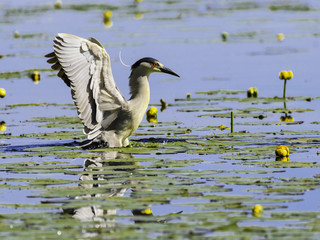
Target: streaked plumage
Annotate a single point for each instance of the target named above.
(108, 118)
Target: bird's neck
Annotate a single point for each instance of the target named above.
(139, 101)
(139, 88)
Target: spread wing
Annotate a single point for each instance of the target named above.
(85, 67)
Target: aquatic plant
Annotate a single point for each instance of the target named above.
(280, 37)
(223, 127)
(164, 104)
(285, 75)
(152, 115)
(231, 124)
(16, 34)
(3, 126)
(282, 151)
(107, 14)
(257, 210)
(224, 36)
(35, 76)
(58, 4)
(2, 92)
(252, 92)
(107, 18)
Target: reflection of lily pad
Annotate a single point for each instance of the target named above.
(235, 115)
(204, 109)
(269, 123)
(221, 91)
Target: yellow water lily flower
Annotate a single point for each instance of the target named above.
(16, 34)
(257, 210)
(152, 112)
(35, 76)
(187, 131)
(285, 75)
(58, 4)
(224, 36)
(282, 151)
(152, 115)
(252, 92)
(3, 126)
(2, 92)
(280, 36)
(107, 14)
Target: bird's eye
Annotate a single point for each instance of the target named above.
(156, 64)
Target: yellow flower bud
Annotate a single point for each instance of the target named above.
(285, 75)
(252, 92)
(35, 76)
(187, 131)
(152, 115)
(3, 126)
(2, 92)
(223, 127)
(282, 151)
(58, 4)
(16, 34)
(107, 14)
(163, 104)
(280, 36)
(257, 210)
(152, 112)
(224, 36)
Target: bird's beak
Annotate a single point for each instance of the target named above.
(169, 71)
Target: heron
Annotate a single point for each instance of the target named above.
(108, 118)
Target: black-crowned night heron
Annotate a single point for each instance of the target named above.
(108, 118)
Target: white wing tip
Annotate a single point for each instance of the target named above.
(93, 133)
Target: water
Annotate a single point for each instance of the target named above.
(170, 170)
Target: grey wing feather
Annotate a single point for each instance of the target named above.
(84, 65)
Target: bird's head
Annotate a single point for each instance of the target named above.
(149, 65)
